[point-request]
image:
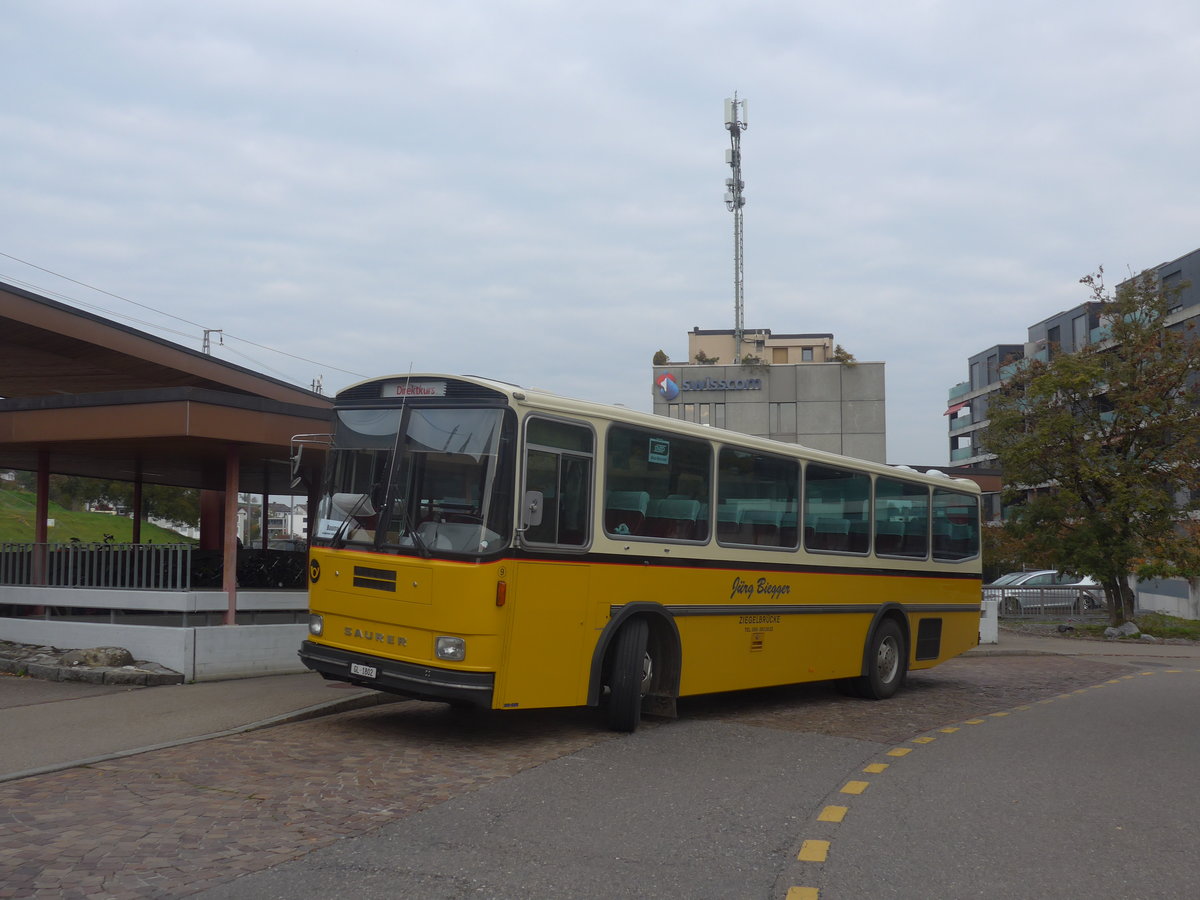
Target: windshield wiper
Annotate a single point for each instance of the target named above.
(339, 537)
(418, 541)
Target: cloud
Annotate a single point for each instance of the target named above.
(533, 190)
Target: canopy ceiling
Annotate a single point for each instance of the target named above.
(108, 401)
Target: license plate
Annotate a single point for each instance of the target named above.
(364, 671)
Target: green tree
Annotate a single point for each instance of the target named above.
(844, 356)
(661, 358)
(1101, 447)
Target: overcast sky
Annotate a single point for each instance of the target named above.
(533, 191)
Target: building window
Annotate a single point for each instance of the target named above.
(783, 418)
(718, 415)
(806, 354)
(1079, 332)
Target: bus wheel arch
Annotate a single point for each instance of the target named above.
(661, 647)
(885, 658)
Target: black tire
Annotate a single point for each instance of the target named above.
(627, 676)
(887, 662)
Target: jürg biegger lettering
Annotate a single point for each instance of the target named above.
(760, 587)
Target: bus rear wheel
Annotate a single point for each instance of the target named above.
(887, 663)
(629, 676)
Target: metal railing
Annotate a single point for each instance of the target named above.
(159, 567)
(1048, 601)
(163, 567)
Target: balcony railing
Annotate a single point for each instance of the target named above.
(161, 567)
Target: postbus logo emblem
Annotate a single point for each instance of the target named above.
(314, 571)
(667, 387)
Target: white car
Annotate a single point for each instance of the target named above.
(1044, 589)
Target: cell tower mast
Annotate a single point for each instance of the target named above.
(735, 124)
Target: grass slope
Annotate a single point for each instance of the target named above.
(18, 516)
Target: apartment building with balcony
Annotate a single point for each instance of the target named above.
(1064, 332)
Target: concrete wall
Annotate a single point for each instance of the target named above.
(203, 653)
(244, 651)
(199, 654)
(1173, 596)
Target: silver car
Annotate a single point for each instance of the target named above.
(1044, 590)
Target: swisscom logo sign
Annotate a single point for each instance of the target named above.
(669, 388)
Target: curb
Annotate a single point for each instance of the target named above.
(331, 707)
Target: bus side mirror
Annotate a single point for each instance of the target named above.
(531, 513)
(297, 475)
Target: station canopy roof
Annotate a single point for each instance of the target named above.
(105, 400)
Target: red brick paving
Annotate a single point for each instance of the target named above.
(176, 821)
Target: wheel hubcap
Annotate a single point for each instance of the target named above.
(887, 661)
(647, 673)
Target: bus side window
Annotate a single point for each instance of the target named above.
(657, 485)
(757, 499)
(955, 525)
(836, 504)
(901, 518)
(558, 464)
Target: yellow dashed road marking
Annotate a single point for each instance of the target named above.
(813, 851)
(950, 729)
(923, 740)
(875, 768)
(833, 814)
(900, 751)
(855, 787)
(802, 893)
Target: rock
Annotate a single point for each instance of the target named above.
(98, 656)
(1149, 638)
(1064, 628)
(1129, 629)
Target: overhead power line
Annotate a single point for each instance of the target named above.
(161, 312)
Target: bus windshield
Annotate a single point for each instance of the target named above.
(419, 479)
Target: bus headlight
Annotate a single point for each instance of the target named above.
(451, 648)
(316, 625)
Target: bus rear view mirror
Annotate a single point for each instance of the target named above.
(531, 515)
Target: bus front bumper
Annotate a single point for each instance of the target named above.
(419, 682)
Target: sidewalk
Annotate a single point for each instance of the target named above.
(65, 724)
(1017, 643)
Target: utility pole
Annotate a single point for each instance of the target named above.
(735, 124)
(208, 332)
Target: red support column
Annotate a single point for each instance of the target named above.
(41, 530)
(229, 579)
(137, 509)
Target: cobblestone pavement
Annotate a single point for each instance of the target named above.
(178, 820)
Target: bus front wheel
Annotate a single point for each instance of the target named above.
(629, 676)
(887, 663)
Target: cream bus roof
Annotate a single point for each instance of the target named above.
(535, 398)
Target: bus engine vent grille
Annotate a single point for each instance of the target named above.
(375, 579)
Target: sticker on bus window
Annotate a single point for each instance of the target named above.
(659, 452)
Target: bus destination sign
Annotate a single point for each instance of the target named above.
(414, 389)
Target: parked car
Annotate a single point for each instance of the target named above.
(1044, 589)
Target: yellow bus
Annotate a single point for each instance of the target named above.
(486, 545)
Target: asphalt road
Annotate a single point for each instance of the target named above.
(1091, 793)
